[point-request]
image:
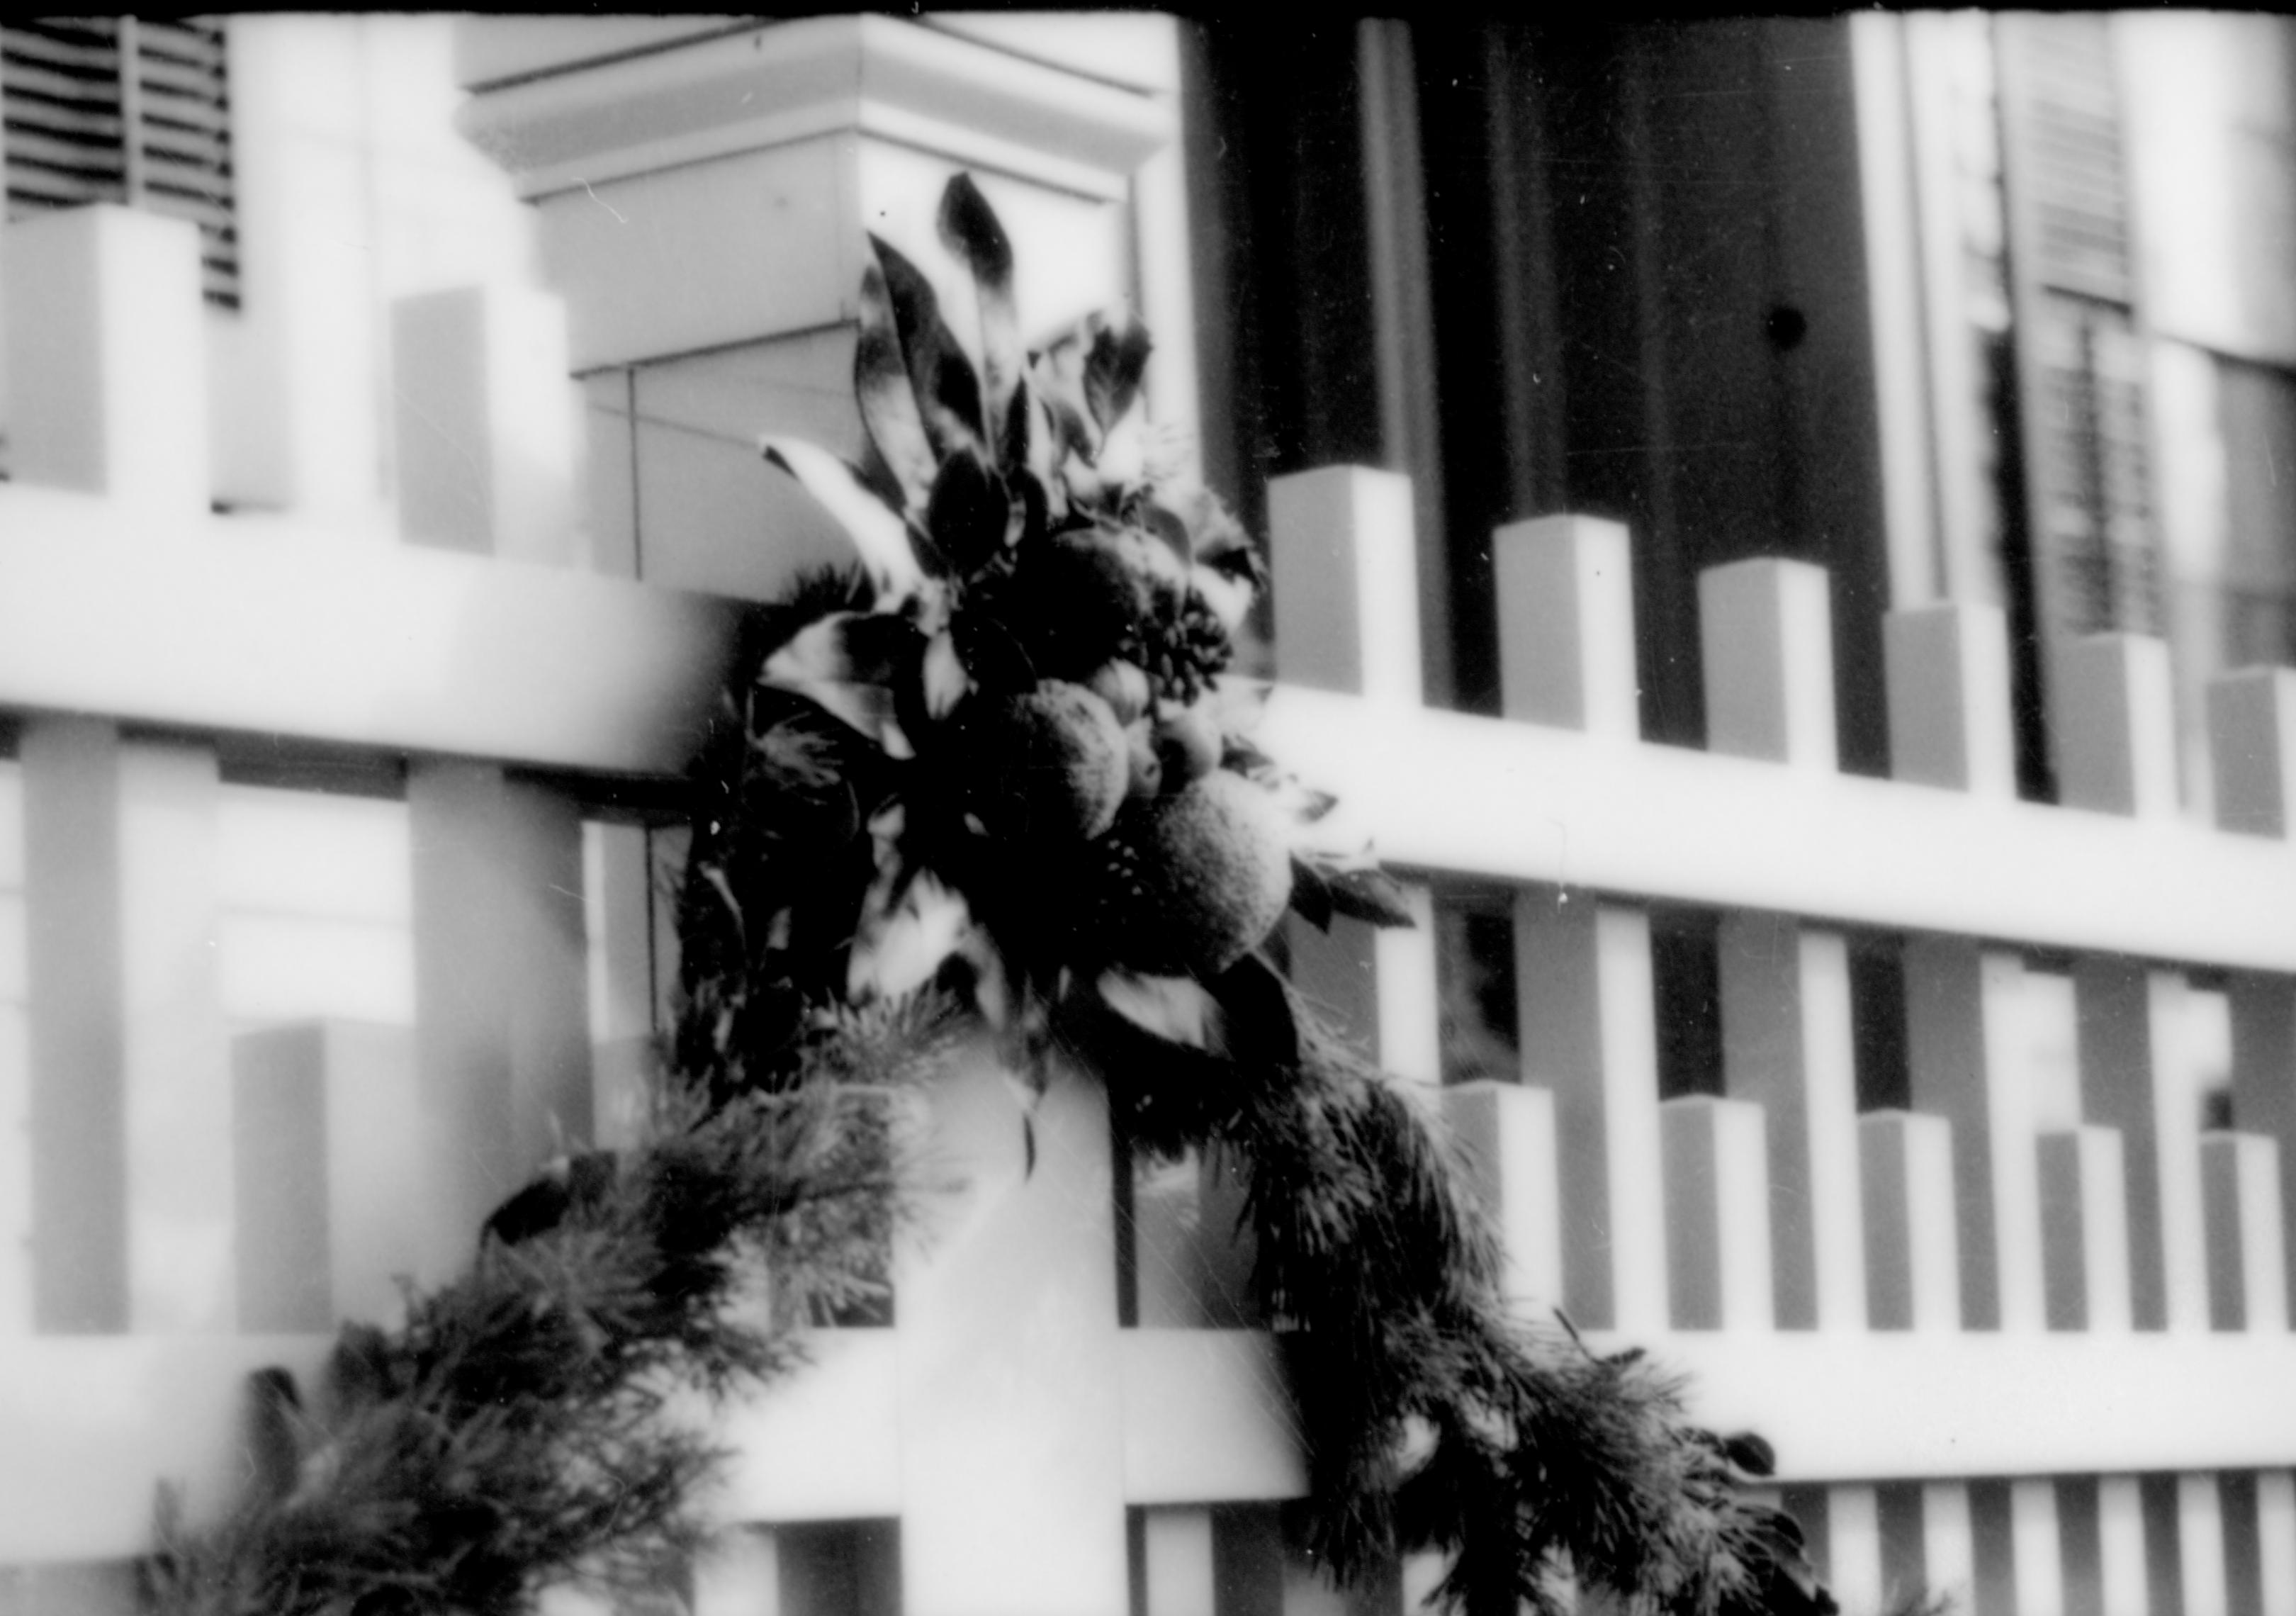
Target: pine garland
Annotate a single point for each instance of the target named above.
(996, 774)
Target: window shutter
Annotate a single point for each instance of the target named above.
(2091, 457)
(124, 110)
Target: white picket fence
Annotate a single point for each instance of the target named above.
(2049, 1367)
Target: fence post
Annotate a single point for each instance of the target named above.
(1947, 672)
(1566, 625)
(2116, 726)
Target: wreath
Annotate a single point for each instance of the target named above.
(998, 773)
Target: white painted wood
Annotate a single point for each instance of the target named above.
(1583, 984)
(1718, 1214)
(2275, 1541)
(2247, 1276)
(2116, 729)
(107, 357)
(1960, 1007)
(1564, 589)
(2251, 715)
(1853, 1547)
(1948, 1542)
(484, 423)
(2122, 1582)
(739, 1574)
(1913, 1259)
(1946, 668)
(1205, 1416)
(1733, 832)
(2263, 1010)
(2201, 1543)
(2137, 1077)
(2034, 1549)
(326, 1140)
(1377, 985)
(1179, 1569)
(1766, 640)
(2084, 1230)
(391, 648)
(1010, 1385)
(1786, 1045)
(1345, 584)
(129, 1105)
(1506, 1134)
(501, 981)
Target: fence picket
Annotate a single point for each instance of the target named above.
(1913, 1259)
(2136, 1077)
(2247, 1283)
(1947, 669)
(1765, 642)
(2116, 726)
(2251, 717)
(1564, 588)
(1787, 1046)
(1718, 1214)
(2084, 1229)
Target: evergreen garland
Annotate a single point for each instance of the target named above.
(998, 773)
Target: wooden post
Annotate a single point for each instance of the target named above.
(1960, 1002)
(1947, 672)
(1583, 981)
(1506, 1132)
(1718, 1214)
(2036, 1548)
(1177, 1563)
(485, 424)
(2275, 1541)
(2135, 1078)
(1566, 625)
(1786, 1046)
(2116, 726)
(1765, 640)
(1913, 1260)
(106, 339)
(2084, 1230)
(2253, 750)
(503, 1037)
(2247, 1276)
(1345, 588)
(2264, 1084)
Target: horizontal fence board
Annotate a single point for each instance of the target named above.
(90, 1425)
(260, 627)
(1525, 802)
(1890, 1406)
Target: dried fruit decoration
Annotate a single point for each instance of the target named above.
(1008, 760)
(1043, 652)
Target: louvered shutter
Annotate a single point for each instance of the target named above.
(123, 110)
(2096, 554)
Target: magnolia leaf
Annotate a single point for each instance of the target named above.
(847, 664)
(947, 388)
(969, 228)
(1372, 896)
(1239, 703)
(1311, 894)
(1258, 1026)
(887, 396)
(1177, 1009)
(971, 513)
(878, 532)
(907, 929)
(1113, 366)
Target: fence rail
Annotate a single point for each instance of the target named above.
(2050, 1364)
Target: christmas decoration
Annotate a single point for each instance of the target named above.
(997, 773)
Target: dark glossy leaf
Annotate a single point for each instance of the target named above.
(1258, 1026)
(947, 388)
(887, 395)
(1750, 1453)
(850, 665)
(970, 514)
(1370, 895)
(878, 532)
(1311, 894)
(969, 229)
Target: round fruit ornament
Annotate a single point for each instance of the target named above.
(1192, 881)
(1052, 764)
